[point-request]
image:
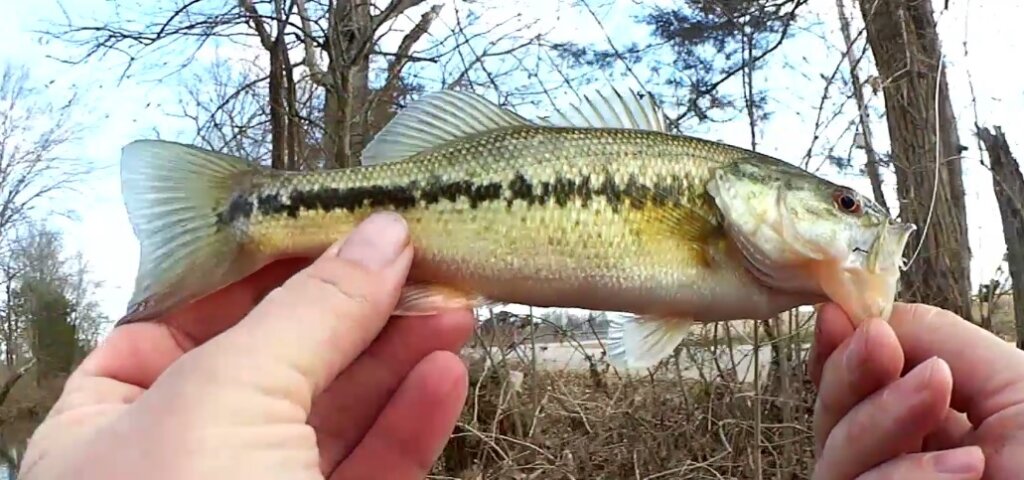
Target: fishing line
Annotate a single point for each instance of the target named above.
(935, 181)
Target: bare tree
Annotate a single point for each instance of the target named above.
(228, 101)
(925, 149)
(33, 134)
(352, 31)
(1009, 191)
(338, 41)
(231, 111)
(696, 47)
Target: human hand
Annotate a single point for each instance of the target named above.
(957, 414)
(310, 384)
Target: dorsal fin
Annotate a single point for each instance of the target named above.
(609, 108)
(434, 119)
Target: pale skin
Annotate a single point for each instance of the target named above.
(314, 382)
(925, 396)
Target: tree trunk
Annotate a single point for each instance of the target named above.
(906, 48)
(1008, 184)
(350, 100)
(280, 85)
(278, 116)
(294, 128)
(351, 35)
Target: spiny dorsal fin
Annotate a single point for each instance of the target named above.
(435, 119)
(609, 108)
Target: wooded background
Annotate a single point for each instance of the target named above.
(306, 84)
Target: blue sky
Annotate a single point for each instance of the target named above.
(120, 113)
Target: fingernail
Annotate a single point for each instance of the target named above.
(377, 241)
(961, 461)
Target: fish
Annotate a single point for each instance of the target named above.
(596, 206)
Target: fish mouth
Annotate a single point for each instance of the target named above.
(864, 284)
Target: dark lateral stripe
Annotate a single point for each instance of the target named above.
(561, 192)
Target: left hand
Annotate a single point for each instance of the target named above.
(310, 384)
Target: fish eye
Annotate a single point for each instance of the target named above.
(847, 201)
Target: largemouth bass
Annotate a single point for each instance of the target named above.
(600, 209)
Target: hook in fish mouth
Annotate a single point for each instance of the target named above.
(865, 287)
(886, 252)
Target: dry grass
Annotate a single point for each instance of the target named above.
(700, 415)
(562, 426)
(695, 416)
(1001, 313)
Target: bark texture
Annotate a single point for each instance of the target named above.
(352, 105)
(906, 48)
(1009, 190)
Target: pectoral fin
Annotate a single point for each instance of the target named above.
(643, 342)
(685, 226)
(419, 299)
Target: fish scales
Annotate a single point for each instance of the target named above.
(565, 208)
(604, 211)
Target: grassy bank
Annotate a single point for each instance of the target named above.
(571, 425)
(698, 415)
(544, 404)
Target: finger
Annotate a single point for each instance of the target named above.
(412, 430)
(209, 316)
(154, 346)
(891, 422)
(831, 329)
(965, 463)
(341, 418)
(303, 333)
(952, 432)
(989, 372)
(866, 362)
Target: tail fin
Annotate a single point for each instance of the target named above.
(173, 194)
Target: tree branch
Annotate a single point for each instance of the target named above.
(394, 9)
(316, 73)
(257, 20)
(11, 381)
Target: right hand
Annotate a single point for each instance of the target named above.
(926, 395)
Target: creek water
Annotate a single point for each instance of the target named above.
(8, 461)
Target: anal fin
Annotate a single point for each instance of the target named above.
(419, 299)
(644, 341)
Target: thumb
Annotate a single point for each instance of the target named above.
(989, 371)
(301, 335)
